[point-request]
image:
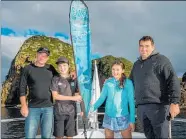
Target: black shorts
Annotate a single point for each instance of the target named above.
(64, 125)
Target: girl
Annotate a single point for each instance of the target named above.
(119, 94)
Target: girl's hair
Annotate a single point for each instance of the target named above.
(123, 76)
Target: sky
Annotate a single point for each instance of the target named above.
(116, 26)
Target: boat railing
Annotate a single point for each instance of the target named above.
(88, 126)
(102, 113)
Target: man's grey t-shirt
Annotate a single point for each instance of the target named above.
(66, 87)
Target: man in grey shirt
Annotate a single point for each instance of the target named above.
(157, 89)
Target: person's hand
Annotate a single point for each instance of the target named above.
(174, 110)
(77, 98)
(73, 75)
(81, 114)
(91, 103)
(24, 111)
(91, 110)
(132, 127)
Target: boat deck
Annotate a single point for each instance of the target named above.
(100, 134)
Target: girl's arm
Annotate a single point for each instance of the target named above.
(101, 99)
(131, 101)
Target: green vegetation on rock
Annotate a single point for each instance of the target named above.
(105, 65)
(57, 48)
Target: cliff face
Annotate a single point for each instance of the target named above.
(184, 77)
(183, 94)
(183, 90)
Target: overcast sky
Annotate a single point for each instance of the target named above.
(116, 25)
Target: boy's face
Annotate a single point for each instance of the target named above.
(63, 68)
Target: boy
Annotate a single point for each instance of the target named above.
(63, 89)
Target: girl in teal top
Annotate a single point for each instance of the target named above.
(120, 109)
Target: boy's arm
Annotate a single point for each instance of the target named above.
(54, 71)
(57, 96)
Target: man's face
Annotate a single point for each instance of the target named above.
(145, 49)
(42, 58)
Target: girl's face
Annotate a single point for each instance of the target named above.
(63, 68)
(117, 71)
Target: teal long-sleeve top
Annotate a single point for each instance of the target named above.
(119, 101)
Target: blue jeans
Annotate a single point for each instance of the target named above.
(44, 116)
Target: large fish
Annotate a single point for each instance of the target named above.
(81, 42)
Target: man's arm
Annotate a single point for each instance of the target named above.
(54, 71)
(172, 83)
(22, 91)
(173, 88)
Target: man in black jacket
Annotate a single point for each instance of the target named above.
(157, 90)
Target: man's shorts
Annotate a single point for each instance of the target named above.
(64, 125)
